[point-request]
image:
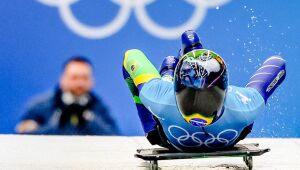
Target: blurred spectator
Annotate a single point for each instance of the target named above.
(71, 108)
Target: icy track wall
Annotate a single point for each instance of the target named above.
(38, 35)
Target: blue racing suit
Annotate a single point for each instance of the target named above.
(242, 106)
(154, 96)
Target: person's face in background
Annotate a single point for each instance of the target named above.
(77, 78)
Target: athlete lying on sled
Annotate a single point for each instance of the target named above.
(188, 104)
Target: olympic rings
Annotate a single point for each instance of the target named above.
(139, 8)
(212, 142)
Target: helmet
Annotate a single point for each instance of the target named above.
(200, 86)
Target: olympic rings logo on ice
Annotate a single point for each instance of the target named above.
(139, 9)
(186, 136)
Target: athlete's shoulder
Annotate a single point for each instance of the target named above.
(244, 103)
(158, 91)
(237, 96)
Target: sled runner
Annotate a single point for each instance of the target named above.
(240, 150)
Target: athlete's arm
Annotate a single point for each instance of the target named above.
(137, 71)
(139, 68)
(268, 77)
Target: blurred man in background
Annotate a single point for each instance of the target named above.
(71, 109)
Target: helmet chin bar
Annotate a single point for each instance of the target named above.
(200, 106)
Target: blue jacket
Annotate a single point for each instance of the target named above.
(48, 111)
